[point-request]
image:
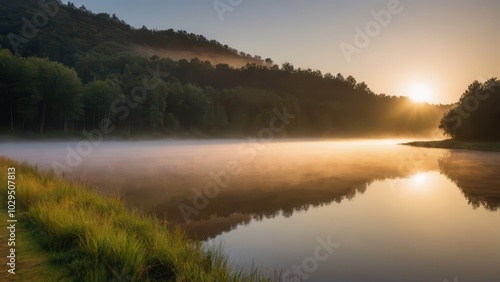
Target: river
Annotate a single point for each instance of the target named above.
(326, 210)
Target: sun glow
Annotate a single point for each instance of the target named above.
(419, 178)
(418, 182)
(420, 93)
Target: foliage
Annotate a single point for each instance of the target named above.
(74, 30)
(41, 90)
(98, 95)
(195, 98)
(476, 115)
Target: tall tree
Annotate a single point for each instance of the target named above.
(17, 77)
(61, 92)
(156, 104)
(98, 96)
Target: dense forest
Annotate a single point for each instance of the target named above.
(76, 71)
(477, 114)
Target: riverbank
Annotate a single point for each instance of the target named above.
(455, 144)
(88, 237)
(32, 262)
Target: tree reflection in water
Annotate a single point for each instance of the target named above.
(477, 175)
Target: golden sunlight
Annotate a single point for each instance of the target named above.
(419, 182)
(420, 93)
(418, 178)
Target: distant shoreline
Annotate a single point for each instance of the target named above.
(78, 136)
(489, 146)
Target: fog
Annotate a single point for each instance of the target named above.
(214, 58)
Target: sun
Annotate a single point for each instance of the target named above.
(420, 93)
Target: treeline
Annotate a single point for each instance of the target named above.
(326, 104)
(40, 95)
(477, 114)
(70, 30)
(89, 77)
(36, 90)
(194, 98)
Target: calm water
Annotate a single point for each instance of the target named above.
(331, 210)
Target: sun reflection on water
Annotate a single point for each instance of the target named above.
(419, 178)
(419, 182)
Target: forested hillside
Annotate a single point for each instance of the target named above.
(69, 30)
(92, 74)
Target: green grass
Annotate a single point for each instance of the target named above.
(33, 263)
(455, 144)
(93, 238)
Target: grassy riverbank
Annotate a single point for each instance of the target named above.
(455, 144)
(32, 261)
(79, 235)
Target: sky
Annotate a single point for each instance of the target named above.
(430, 50)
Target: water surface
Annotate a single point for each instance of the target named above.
(394, 213)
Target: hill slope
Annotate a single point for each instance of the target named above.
(70, 30)
(191, 96)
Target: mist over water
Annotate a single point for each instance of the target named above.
(398, 213)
